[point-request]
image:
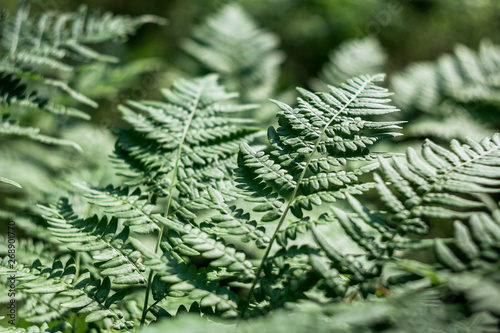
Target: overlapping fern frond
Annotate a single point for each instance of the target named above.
(91, 297)
(309, 153)
(38, 51)
(40, 55)
(184, 150)
(109, 245)
(230, 43)
(324, 133)
(441, 183)
(440, 186)
(465, 76)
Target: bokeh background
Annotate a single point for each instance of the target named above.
(409, 30)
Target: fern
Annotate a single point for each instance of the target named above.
(198, 135)
(352, 58)
(31, 49)
(319, 229)
(439, 186)
(108, 245)
(464, 83)
(441, 183)
(324, 132)
(38, 54)
(230, 43)
(90, 297)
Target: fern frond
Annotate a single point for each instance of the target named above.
(463, 78)
(133, 208)
(198, 285)
(352, 58)
(110, 247)
(10, 182)
(11, 128)
(191, 241)
(93, 298)
(441, 183)
(246, 57)
(28, 250)
(32, 50)
(323, 125)
(234, 221)
(326, 130)
(476, 244)
(195, 119)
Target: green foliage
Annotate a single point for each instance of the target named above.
(324, 226)
(464, 83)
(31, 50)
(353, 58)
(37, 56)
(230, 43)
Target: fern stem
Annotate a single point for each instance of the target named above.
(293, 196)
(145, 308)
(77, 273)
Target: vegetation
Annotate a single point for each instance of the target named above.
(368, 204)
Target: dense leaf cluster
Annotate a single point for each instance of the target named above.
(320, 227)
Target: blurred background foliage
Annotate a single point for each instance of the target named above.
(409, 30)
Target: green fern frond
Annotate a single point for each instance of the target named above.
(324, 132)
(31, 50)
(464, 77)
(246, 57)
(10, 182)
(196, 119)
(234, 221)
(109, 246)
(191, 241)
(133, 208)
(476, 244)
(352, 58)
(184, 280)
(28, 250)
(93, 298)
(440, 183)
(11, 128)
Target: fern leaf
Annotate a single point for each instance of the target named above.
(352, 58)
(189, 121)
(32, 50)
(10, 182)
(325, 128)
(191, 241)
(234, 221)
(10, 128)
(185, 280)
(441, 182)
(109, 246)
(246, 57)
(323, 125)
(88, 296)
(464, 83)
(132, 208)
